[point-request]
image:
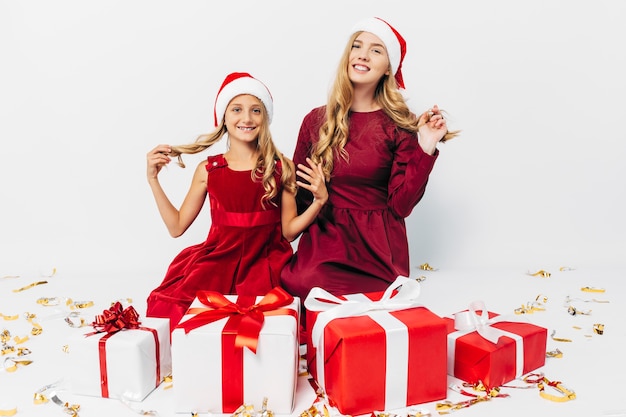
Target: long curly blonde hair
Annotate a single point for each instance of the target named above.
(333, 133)
(266, 162)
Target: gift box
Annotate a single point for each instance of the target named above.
(125, 357)
(231, 350)
(371, 352)
(493, 349)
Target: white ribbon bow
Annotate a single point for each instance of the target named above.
(332, 307)
(468, 321)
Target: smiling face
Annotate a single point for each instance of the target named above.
(243, 118)
(368, 60)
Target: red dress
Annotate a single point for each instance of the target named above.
(244, 251)
(358, 242)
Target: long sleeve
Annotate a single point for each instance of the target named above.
(409, 175)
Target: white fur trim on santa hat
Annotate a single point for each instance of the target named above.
(244, 84)
(384, 31)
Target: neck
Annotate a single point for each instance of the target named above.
(363, 100)
(242, 157)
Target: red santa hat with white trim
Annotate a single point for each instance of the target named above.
(238, 83)
(394, 42)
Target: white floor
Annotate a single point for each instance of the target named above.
(592, 365)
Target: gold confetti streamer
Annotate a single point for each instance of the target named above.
(40, 397)
(541, 272)
(10, 364)
(426, 267)
(558, 339)
(566, 394)
(598, 328)
(556, 353)
(575, 312)
(566, 268)
(34, 284)
(592, 289)
(8, 411)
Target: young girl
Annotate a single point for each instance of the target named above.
(377, 156)
(249, 240)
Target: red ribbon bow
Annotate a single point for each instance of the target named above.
(116, 318)
(248, 320)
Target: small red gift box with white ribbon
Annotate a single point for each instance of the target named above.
(493, 349)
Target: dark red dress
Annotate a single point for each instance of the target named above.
(358, 242)
(244, 251)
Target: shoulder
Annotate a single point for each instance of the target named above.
(317, 115)
(213, 162)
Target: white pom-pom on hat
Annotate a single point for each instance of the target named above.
(238, 83)
(394, 42)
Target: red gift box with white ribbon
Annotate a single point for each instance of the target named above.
(493, 349)
(370, 352)
(231, 350)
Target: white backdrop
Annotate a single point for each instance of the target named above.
(88, 87)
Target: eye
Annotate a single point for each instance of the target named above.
(356, 46)
(257, 111)
(377, 51)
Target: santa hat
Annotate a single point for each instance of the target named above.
(238, 83)
(394, 42)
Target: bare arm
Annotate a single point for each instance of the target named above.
(293, 224)
(176, 221)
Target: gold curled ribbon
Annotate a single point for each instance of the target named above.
(426, 267)
(40, 397)
(49, 301)
(566, 394)
(81, 304)
(421, 278)
(71, 323)
(556, 353)
(541, 272)
(569, 299)
(592, 289)
(598, 328)
(31, 285)
(558, 339)
(37, 329)
(10, 318)
(13, 368)
(566, 268)
(8, 411)
(575, 312)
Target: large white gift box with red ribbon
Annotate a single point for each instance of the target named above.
(376, 353)
(229, 351)
(125, 357)
(493, 349)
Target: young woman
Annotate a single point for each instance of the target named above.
(376, 156)
(251, 189)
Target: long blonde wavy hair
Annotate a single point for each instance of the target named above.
(333, 133)
(265, 164)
